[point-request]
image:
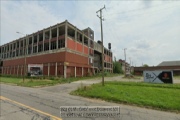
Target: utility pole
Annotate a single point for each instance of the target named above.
(125, 62)
(101, 19)
(130, 65)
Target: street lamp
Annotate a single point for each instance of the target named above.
(24, 55)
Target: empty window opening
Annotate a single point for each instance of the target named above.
(40, 48)
(79, 37)
(46, 46)
(40, 37)
(13, 54)
(14, 46)
(71, 32)
(35, 38)
(30, 40)
(10, 54)
(11, 46)
(20, 53)
(21, 43)
(53, 45)
(24, 42)
(85, 41)
(17, 53)
(29, 50)
(47, 34)
(61, 43)
(17, 44)
(7, 47)
(34, 49)
(61, 30)
(54, 33)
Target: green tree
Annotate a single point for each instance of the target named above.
(117, 68)
(145, 65)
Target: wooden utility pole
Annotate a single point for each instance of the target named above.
(125, 62)
(101, 19)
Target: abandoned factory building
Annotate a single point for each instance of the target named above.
(63, 50)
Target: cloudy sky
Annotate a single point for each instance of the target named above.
(150, 30)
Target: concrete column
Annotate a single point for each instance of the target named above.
(27, 45)
(66, 33)
(50, 36)
(83, 42)
(56, 70)
(57, 38)
(32, 44)
(48, 69)
(37, 41)
(43, 39)
(65, 69)
(19, 47)
(82, 72)
(75, 71)
(75, 38)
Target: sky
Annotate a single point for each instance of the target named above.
(149, 30)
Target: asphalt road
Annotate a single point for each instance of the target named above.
(23, 103)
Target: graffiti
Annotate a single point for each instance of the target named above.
(149, 76)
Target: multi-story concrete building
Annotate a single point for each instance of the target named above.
(63, 50)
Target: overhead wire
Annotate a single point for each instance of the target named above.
(144, 12)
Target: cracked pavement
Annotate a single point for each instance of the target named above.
(49, 99)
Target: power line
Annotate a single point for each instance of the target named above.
(147, 13)
(133, 10)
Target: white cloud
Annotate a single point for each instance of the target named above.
(148, 29)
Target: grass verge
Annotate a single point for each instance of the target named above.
(157, 96)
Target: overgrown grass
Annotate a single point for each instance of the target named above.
(177, 77)
(158, 96)
(45, 81)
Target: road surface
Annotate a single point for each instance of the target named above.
(23, 103)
